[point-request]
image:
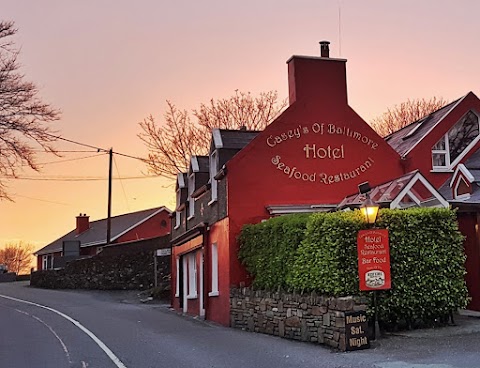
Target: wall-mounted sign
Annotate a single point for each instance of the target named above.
(356, 328)
(164, 252)
(317, 146)
(373, 259)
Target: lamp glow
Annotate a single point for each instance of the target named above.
(369, 210)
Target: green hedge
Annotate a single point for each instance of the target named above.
(268, 249)
(318, 253)
(427, 266)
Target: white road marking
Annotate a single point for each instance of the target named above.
(90, 334)
(64, 347)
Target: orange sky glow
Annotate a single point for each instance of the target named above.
(109, 64)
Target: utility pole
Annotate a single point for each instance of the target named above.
(109, 216)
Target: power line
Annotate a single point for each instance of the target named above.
(83, 178)
(68, 160)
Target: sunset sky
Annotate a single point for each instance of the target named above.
(108, 64)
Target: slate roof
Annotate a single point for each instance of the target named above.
(97, 233)
(405, 139)
(233, 139)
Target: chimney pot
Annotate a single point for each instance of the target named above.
(324, 49)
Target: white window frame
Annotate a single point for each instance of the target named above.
(192, 276)
(214, 267)
(450, 165)
(191, 200)
(455, 189)
(178, 214)
(213, 181)
(177, 275)
(47, 262)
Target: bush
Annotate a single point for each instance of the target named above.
(318, 253)
(427, 266)
(268, 249)
(326, 260)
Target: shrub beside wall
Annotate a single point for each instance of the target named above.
(426, 253)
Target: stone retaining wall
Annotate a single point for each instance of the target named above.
(121, 271)
(307, 317)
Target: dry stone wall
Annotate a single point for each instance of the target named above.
(120, 271)
(304, 317)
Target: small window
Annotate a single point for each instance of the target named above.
(177, 277)
(47, 262)
(214, 258)
(191, 200)
(192, 276)
(462, 189)
(451, 147)
(178, 219)
(213, 172)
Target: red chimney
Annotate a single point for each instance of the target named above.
(321, 78)
(83, 223)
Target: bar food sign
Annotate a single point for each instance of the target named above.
(373, 259)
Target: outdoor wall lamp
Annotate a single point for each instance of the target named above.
(369, 210)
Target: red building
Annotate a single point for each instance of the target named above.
(311, 158)
(89, 238)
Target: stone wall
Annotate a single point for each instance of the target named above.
(307, 317)
(121, 271)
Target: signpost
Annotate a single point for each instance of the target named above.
(374, 264)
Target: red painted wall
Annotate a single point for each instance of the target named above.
(421, 156)
(218, 307)
(149, 229)
(316, 152)
(468, 223)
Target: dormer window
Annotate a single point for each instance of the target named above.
(450, 149)
(178, 213)
(191, 200)
(213, 172)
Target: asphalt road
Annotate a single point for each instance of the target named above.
(55, 328)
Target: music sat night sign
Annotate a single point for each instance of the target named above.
(373, 259)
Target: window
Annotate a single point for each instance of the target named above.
(47, 262)
(451, 147)
(213, 172)
(178, 214)
(214, 253)
(177, 277)
(192, 276)
(191, 200)
(462, 189)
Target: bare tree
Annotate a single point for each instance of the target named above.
(23, 116)
(17, 257)
(405, 113)
(172, 142)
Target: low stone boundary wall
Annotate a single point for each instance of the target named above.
(8, 277)
(307, 317)
(121, 271)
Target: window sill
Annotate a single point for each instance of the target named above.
(212, 201)
(177, 295)
(441, 170)
(176, 227)
(213, 293)
(190, 217)
(193, 296)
